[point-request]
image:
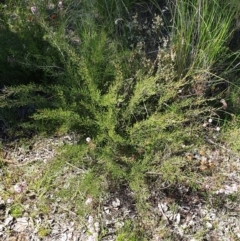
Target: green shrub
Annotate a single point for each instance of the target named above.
(139, 110)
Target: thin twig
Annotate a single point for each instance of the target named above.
(160, 208)
(75, 167)
(66, 209)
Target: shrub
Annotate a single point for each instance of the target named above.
(139, 110)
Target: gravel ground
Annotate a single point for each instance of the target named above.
(175, 213)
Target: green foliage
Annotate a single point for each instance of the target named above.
(201, 30)
(232, 134)
(75, 73)
(43, 231)
(25, 57)
(16, 211)
(129, 232)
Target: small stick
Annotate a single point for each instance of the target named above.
(74, 166)
(160, 208)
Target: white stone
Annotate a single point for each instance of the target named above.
(116, 203)
(21, 224)
(1, 227)
(8, 221)
(178, 217)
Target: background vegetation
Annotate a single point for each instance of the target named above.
(140, 78)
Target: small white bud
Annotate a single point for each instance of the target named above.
(88, 140)
(210, 120)
(33, 10)
(60, 4)
(218, 129)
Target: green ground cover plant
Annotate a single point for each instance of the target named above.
(136, 85)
